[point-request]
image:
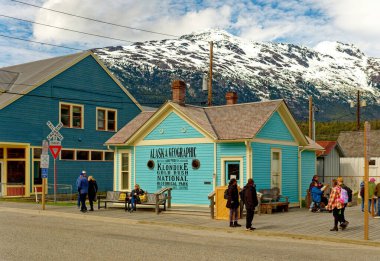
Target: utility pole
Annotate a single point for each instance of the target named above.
(209, 97)
(358, 111)
(367, 129)
(310, 117)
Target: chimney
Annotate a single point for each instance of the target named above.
(179, 91)
(231, 98)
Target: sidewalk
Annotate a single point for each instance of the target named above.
(297, 223)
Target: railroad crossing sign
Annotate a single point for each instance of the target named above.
(55, 137)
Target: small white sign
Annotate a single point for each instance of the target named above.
(44, 164)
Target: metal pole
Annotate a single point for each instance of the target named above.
(43, 193)
(209, 97)
(358, 111)
(366, 175)
(310, 117)
(55, 183)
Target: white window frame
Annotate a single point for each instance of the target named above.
(129, 152)
(71, 114)
(223, 169)
(106, 118)
(276, 150)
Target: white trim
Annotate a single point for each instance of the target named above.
(223, 169)
(214, 176)
(2, 187)
(71, 114)
(275, 142)
(106, 110)
(120, 152)
(280, 166)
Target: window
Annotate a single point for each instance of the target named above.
(37, 153)
(16, 172)
(372, 162)
(1, 153)
(96, 155)
(106, 119)
(108, 156)
(83, 155)
(124, 171)
(276, 171)
(72, 115)
(67, 154)
(16, 153)
(37, 173)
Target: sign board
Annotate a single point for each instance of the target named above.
(44, 173)
(44, 164)
(55, 150)
(45, 147)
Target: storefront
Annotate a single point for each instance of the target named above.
(195, 149)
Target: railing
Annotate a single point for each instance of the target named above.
(211, 197)
(64, 192)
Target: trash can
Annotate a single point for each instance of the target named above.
(222, 212)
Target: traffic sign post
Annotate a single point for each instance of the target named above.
(55, 147)
(44, 165)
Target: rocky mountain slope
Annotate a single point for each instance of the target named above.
(332, 72)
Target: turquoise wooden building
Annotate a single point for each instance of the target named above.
(77, 90)
(195, 149)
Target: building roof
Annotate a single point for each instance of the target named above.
(352, 143)
(23, 78)
(328, 146)
(228, 122)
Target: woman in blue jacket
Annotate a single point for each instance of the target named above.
(316, 195)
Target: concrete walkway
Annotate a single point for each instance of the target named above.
(297, 223)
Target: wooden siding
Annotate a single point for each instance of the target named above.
(199, 180)
(331, 164)
(261, 160)
(308, 169)
(275, 129)
(84, 83)
(173, 127)
(226, 150)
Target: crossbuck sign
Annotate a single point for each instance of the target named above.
(55, 137)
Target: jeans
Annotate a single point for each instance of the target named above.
(83, 201)
(311, 205)
(249, 218)
(337, 213)
(78, 201)
(133, 203)
(374, 205)
(378, 207)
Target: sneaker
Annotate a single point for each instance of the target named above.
(250, 229)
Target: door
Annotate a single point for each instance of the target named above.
(232, 170)
(125, 171)
(276, 171)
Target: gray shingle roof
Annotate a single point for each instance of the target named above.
(352, 143)
(24, 77)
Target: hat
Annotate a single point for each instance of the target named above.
(372, 179)
(83, 172)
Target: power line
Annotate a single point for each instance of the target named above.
(95, 20)
(55, 45)
(66, 29)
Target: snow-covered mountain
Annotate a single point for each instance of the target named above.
(332, 72)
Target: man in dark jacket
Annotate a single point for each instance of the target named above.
(251, 202)
(83, 190)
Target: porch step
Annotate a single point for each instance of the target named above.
(189, 211)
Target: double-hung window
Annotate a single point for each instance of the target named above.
(106, 119)
(71, 115)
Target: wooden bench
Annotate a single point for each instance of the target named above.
(271, 199)
(114, 197)
(156, 199)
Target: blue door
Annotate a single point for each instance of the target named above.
(232, 169)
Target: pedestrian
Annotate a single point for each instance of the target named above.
(92, 190)
(83, 190)
(316, 195)
(377, 194)
(314, 180)
(335, 205)
(344, 223)
(361, 193)
(251, 202)
(233, 202)
(135, 197)
(77, 183)
(371, 195)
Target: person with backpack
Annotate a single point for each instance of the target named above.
(377, 194)
(233, 202)
(335, 204)
(251, 202)
(371, 194)
(344, 189)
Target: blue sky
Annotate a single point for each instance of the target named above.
(291, 21)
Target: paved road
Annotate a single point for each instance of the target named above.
(32, 236)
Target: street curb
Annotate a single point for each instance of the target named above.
(259, 232)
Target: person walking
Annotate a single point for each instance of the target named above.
(251, 202)
(371, 195)
(344, 223)
(77, 183)
(92, 190)
(377, 194)
(335, 205)
(83, 190)
(233, 203)
(361, 193)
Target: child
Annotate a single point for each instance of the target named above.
(316, 195)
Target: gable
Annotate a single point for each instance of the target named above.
(275, 129)
(173, 127)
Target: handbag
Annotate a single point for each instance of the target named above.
(143, 198)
